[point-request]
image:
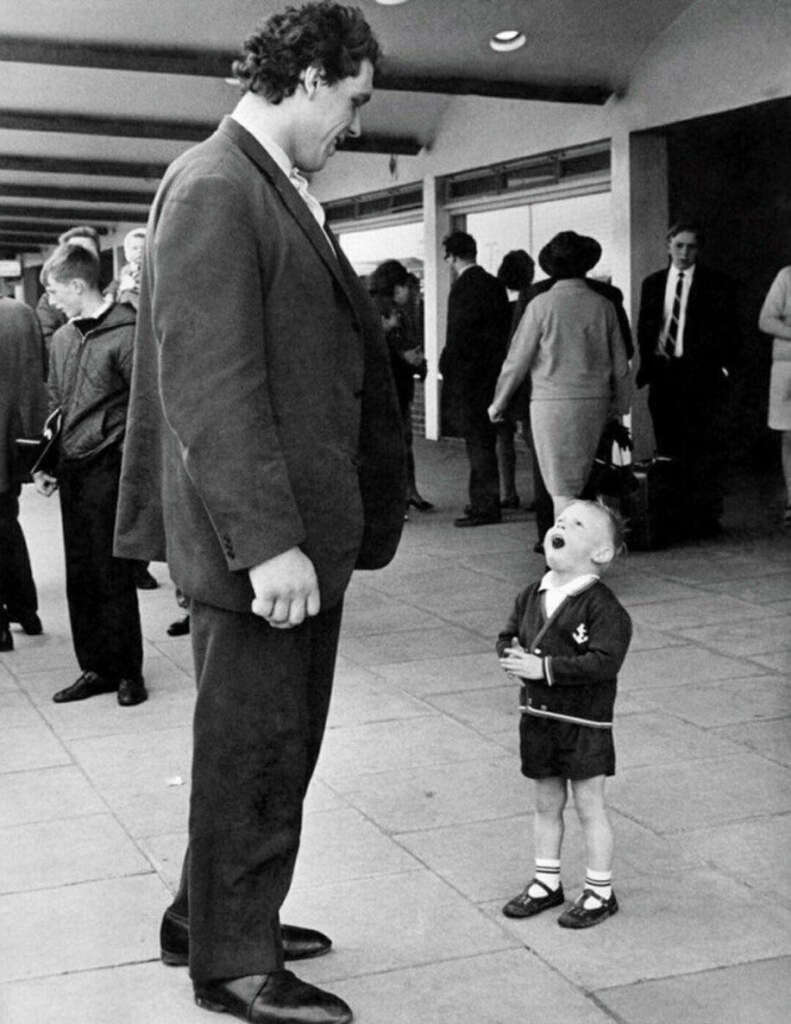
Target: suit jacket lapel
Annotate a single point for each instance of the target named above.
(291, 199)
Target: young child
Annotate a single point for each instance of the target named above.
(565, 641)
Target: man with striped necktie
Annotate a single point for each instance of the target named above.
(688, 339)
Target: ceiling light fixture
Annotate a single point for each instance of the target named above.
(390, 3)
(508, 40)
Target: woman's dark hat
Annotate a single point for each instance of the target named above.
(569, 255)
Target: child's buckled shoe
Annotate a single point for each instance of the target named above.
(578, 916)
(525, 905)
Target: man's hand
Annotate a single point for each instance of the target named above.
(44, 483)
(495, 415)
(286, 589)
(517, 662)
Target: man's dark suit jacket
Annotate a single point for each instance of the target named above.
(263, 414)
(476, 342)
(710, 330)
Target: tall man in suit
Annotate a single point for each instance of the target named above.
(688, 340)
(478, 325)
(262, 380)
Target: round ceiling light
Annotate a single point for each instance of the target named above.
(508, 40)
(390, 3)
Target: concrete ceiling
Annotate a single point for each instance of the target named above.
(99, 95)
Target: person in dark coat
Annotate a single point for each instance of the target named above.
(688, 337)
(475, 346)
(90, 368)
(22, 410)
(265, 462)
(390, 289)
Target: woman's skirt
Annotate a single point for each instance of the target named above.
(566, 434)
(780, 395)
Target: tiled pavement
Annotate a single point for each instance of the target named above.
(419, 824)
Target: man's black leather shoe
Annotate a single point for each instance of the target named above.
(475, 520)
(298, 943)
(31, 624)
(89, 684)
(131, 692)
(276, 998)
(180, 627)
(6, 640)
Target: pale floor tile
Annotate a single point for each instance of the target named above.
(423, 798)
(45, 795)
(410, 646)
(684, 936)
(381, 614)
(695, 611)
(659, 739)
(30, 747)
(640, 588)
(644, 638)
(52, 853)
(779, 661)
(488, 711)
(754, 993)
(138, 994)
(688, 664)
(772, 739)
(16, 710)
(755, 852)
(762, 590)
(758, 636)
(166, 854)
(354, 703)
(100, 716)
(703, 793)
(132, 762)
(495, 988)
(379, 746)
(725, 702)
(445, 675)
(148, 811)
(78, 927)
(380, 924)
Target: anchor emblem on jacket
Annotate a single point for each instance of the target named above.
(580, 634)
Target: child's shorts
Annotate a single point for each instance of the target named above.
(551, 748)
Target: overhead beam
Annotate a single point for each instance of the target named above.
(37, 238)
(217, 64)
(161, 128)
(75, 165)
(78, 214)
(76, 195)
(57, 227)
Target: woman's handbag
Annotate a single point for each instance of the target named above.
(40, 454)
(612, 476)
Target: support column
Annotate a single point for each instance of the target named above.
(436, 285)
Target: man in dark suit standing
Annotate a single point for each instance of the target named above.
(478, 325)
(688, 339)
(261, 364)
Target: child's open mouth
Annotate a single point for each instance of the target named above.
(558, 541)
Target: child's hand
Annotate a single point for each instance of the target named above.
(519, 663)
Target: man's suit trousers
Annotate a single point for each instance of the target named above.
(480, 439)
(100, 589)
(263, 698)
(17, 589)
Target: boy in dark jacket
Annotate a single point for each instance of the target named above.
(565, 641)
(89, 373)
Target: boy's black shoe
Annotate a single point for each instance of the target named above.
(578, 917)
(525, 905)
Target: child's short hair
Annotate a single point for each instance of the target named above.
(615, 523)
(69, 261)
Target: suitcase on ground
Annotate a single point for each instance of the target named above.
(653, 509)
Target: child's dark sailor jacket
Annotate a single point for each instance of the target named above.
(582, 646)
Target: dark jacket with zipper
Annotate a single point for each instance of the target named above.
(582, 646)
(89, 377)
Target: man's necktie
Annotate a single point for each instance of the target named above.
(672, 328)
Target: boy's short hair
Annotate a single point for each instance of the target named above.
(84, 231)
(692, 226)
(460, 244)
(616, 526)
(70, 261)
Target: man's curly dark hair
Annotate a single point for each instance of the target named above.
(335, 38)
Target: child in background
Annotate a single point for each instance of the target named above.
(565, 641)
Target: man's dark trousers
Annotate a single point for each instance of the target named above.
(17, 589)
(100, 589)
(263, 698)
(480, 438)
